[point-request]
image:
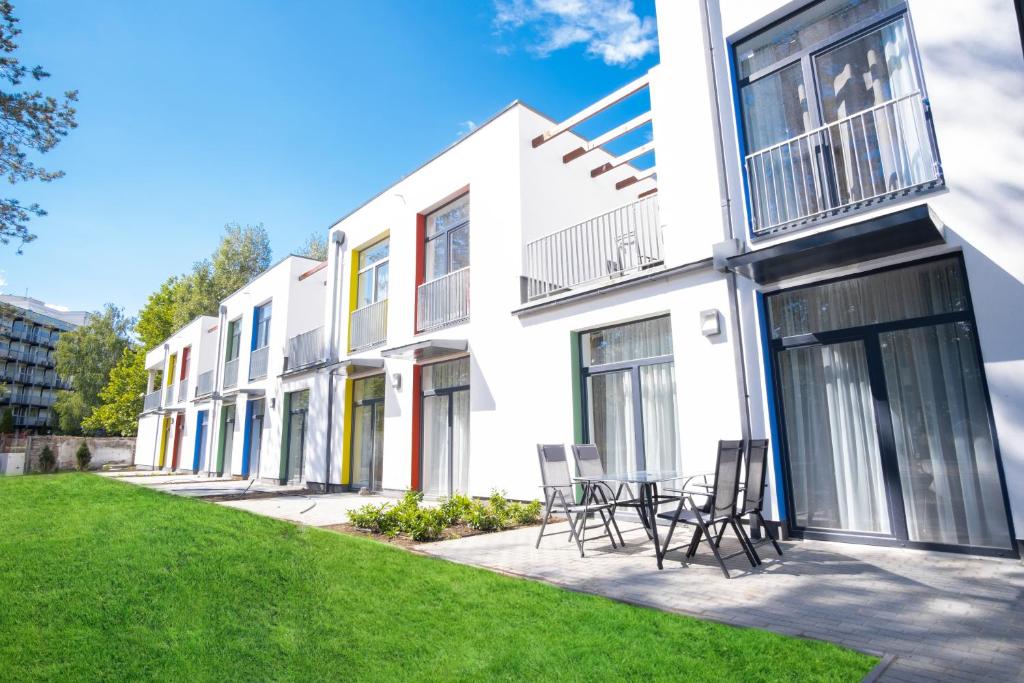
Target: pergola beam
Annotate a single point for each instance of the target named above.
(613, 134)
(636, 178)
(622, 159)
(593, 110)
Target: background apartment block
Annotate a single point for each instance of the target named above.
(29, 330)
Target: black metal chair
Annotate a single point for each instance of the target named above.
(710, 520)
(560, 494)
(589, 464)
(753, 494)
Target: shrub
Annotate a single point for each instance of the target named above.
(367, 517)
(483, 517)
(83, 456)
(47, 460)
(525, 513)
(7, 421)
(453, 510)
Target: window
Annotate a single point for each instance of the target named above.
(630, 395)
(293, 452)
(447, 239)
(372, 280)
(261, 326)
(832, 111)
(234, 339)
(367, 432)
(444, 428)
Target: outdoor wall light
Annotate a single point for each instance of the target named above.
(710, 323)
(396, 381)
(273, 402)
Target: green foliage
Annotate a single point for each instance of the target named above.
(121, 398)
(7, 421)
(85, 356)
(428, 523)
(315, 247)
(47, 460)
(29, 122)
(107, 581)
(83, 457)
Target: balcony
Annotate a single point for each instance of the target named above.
(152, 401)
(443, 301)
(204, 384)
(169, 395)
(627, 239)
(183, 390)
(231, 373)
(305, 349)
(368, 326)
(878, 154)
(258, 361)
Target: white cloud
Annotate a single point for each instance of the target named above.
(465, 128)
(3, 280)
(610, 29)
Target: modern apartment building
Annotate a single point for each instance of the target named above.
(827, 253)
(29, 330)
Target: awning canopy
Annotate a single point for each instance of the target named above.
(874, 238)
(353, 365)
(426, 350)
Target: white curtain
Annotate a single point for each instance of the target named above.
(833, 445)
(658, 405)
(460, 441)
(944, 444)
(362, 445)
(610, 397)
(436, 475)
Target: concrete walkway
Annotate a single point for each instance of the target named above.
(944, 616)
(312, 509)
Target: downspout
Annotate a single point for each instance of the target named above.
(726, 202)
(159, 415)
(215, 398)
(338, 239)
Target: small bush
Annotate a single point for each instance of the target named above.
(83, 457)
(483, 517)
(525, 513)
(453, 510)
(47, 460)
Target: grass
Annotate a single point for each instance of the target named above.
(101, 580)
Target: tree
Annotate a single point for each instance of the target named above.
(121, 398)
(29, 122)
(7, 421)
(243, 253)
(314, 247)
(83, 456)
(85, 357)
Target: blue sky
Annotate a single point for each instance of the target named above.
(196, 114)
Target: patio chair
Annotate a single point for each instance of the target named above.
(753, 494)
(588, 464)
(719, 511)
(560, 494)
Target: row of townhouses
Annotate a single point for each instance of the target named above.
(829, 252)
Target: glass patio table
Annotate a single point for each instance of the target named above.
(647, 482)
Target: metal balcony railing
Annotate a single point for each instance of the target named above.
(443, 301)
(305, 349)
(231, 373)
(258, 361)
(368, 326)
(169, 395)
(183, 390)
(876, 154)
(606, 246)
(152, 401)
(204, 383)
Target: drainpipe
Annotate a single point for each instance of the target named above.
(334, 352)
(159, 418)
(726, 203)
(215, 397)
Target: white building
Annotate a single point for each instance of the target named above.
(827, 254)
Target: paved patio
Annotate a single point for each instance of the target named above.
(944, 617)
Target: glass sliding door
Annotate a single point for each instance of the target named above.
(295, 445)
(367, 432)
(887, 429)
(630, 395)
(227, 440)
(444, 439)
(256, 408)
(202, 436)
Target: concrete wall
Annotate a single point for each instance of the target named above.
(106, 450)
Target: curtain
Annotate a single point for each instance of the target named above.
(610, 412)
(362, 445)
(925, 289)
(658, 406)
(944, 444)
(631, 341)
(229, 437)
(296, 445)
(377, 468)
(436, 481)
(834, 460)
(460, 441)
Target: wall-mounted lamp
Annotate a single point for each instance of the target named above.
(273, 402)
(710, 322)
(396, 381)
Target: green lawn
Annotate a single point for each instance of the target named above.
(100, 580)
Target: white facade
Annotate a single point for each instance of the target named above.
(701, 261)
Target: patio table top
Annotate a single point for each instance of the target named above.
(637, 477)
